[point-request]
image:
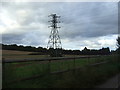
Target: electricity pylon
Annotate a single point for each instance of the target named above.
(54, 43)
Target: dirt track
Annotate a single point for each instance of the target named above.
(46, 59)
(113, 82)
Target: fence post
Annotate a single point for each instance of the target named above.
(3, 73)
(74, 60)
(88, 61)
(49, 62)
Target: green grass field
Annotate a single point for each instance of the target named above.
(84, 76)
(15, 71)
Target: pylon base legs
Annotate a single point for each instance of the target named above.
(55, 52)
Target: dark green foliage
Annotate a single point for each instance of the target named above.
(103, 51)
(25, 48)
(118, 44)
(56, 52)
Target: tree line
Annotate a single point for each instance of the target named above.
(44, 51)
(41, 50)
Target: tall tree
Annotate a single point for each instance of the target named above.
(118, 44)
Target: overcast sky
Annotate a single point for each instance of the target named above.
(84, 24)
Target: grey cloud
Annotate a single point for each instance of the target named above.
(79, 20)
(32, 38)
(11, 38)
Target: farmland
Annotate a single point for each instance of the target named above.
(57, 73)
(10, 54)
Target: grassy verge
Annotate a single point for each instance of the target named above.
(14, 71)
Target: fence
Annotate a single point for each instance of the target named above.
(20, 70)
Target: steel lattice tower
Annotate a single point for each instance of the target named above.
(54, 42)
